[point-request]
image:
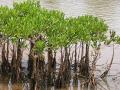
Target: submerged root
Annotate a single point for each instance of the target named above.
(92, 82)
(64, 75)
(37, 81)
(51, 68)
(83, 68)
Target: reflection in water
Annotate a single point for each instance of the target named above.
(25, 86)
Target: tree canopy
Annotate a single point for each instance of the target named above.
(27, 19)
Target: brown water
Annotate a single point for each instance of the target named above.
(109, 10)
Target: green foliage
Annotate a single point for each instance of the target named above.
(39, 46)
(4, 16)
(27, 19)
(93, 28)
(118, 39)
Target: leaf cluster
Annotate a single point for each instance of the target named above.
(27, 19)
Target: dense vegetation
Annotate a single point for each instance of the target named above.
(49, 31)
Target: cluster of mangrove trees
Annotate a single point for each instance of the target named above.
(48, 31)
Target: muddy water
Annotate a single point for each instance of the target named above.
(109, 10)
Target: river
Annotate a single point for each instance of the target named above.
(109, 10)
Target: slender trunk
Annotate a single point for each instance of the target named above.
(32, 79)
(30, 60)
(61, 51)
(7, 55)
(13, 62)
(40, 74)
(16, 63)
(87, 60)
(104, 74)
(30, 65)
(92, 78)
(84, 63)
(37, 81)
(50, 60)
(13, 66)
(79, 53)
(87, 55)
(66, 60)
(69, 53)
(64, 72)
(50, 68)
(54, 61)
(75, 64)
(82, 52)
(19, 58)
(5, 66)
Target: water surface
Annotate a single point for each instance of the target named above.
(109, 10)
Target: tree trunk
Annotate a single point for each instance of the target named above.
(40, 74)
(19, 58)
(61, 55)
(64, 72)
(14, 66)
(50, 68)
(30, 61)
(87, 60)
(84, 63)
(75, 63)
(5, 66)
